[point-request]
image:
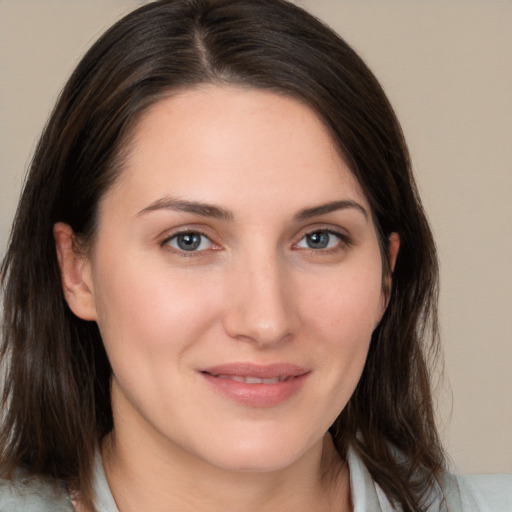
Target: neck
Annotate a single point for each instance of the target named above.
(146, 478)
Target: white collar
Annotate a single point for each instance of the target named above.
(366, 495)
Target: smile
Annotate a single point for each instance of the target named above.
(254, 380)
(255, 385)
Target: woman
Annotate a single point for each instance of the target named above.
(220, 288)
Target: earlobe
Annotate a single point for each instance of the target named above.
(75, 273)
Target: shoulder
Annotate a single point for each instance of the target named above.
(491, 493)
(451, 493)
(480, 493)
(24, 494)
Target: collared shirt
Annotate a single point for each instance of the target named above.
(484, 493)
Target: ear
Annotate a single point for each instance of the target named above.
(75, 271)
(393, 247)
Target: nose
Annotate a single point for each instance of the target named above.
(260, 306)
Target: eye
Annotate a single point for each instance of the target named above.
(320, 239)
(189, 241)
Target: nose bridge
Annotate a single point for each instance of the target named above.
(261, 306)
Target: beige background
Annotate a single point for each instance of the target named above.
(447, 68)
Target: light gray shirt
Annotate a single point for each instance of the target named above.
(483, 493)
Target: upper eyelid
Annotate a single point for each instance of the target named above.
(344, 238)
(171, 233)
(166, 245)
(335, 230)
(186, 232)
(348, 236)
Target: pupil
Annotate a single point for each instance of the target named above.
(318, 240)
(189, 241)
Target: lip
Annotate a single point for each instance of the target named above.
(287, 379)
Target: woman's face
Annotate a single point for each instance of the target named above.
(236, 279)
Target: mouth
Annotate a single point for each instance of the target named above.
(252, 380)
(256, 385)
(255, 373)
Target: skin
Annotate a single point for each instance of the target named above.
(255, 290)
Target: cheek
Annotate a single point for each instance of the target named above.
(342, 316)
(347, 305)
(151, 313)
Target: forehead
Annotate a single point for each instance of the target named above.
(224, 143)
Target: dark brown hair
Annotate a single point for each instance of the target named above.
(57, 387)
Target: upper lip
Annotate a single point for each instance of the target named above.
(260, 371)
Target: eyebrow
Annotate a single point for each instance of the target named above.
(217, 212)
(195, 207)
(316, 211)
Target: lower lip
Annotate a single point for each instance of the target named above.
(257, 395)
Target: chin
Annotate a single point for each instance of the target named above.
(257, 455)
(255, 462)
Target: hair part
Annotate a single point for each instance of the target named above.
(56, 393)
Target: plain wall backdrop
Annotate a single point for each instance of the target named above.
(446, 66)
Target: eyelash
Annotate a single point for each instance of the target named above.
(182, 252)
(344, 242)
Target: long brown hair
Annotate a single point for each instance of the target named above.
(56, 393)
